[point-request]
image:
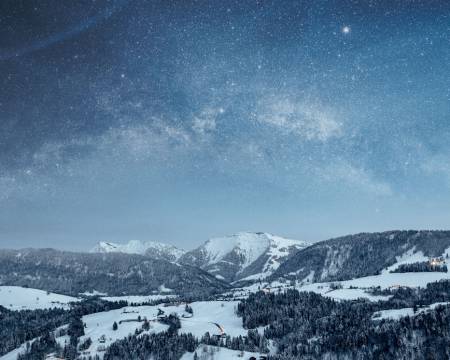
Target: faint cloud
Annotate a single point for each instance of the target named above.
(308, 121)
(357, 178)
(205, 122)
(8, 185)
(436, 164)
(144, 141)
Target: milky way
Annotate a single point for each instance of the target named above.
(177, 121)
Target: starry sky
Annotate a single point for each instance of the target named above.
(177, 121)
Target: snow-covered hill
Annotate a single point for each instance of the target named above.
(243, 256)
(206, 314)
(19, 298)
(149, 248)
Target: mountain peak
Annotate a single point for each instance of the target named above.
(249, 255)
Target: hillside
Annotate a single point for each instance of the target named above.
(114, 273)
(360, 255)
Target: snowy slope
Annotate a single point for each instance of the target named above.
(396, 314)
(12, 355)
(245, 255)
(138, 299)
(205, 352)
(19, 298)
(149, 248)
(360, 287)
(205, 314)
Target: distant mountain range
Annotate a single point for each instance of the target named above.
(149, 248)
(146, 268)
(242, 256)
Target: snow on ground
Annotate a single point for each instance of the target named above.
(324, 289)
(137, 299)
(345, 293)
(249, 245)
(360, 287)
(206, 312)
(99, 325)
(12, 355)
(63, 340)
(140, 247)
(279, 248)
(395, 314)
(353, 294)
(19, 298)
(386, 280)
(205, 352)
(205, 315)
(93, 293)
(163, 289)
(351, 289)
(408, 257)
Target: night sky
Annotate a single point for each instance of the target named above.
(176, 121)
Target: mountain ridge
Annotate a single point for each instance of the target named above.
(71, 273)
(243, 256)
(149, 248)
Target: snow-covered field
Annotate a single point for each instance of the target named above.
(216, 353)
(352, 294)
(325, 289)
(19, 298)
(100, 325)
(386, 280)
(395, 314)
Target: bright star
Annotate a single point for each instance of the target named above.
(346, 29)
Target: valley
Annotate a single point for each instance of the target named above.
(214, 323)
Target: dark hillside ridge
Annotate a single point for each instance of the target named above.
(114, 273)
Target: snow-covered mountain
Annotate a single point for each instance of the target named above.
(149, 248)
(243, 256)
